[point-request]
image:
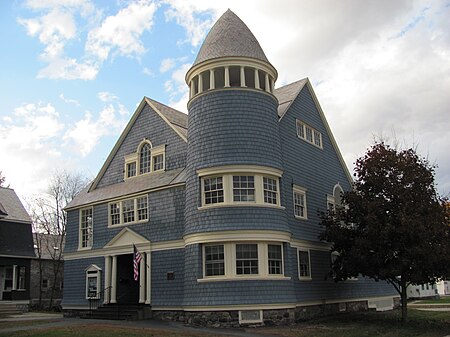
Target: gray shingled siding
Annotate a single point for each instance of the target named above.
(167, 292)
(306, 165)
(74, 292)
(230, 292)
(237, 127)
(72, 230)
(151, 126)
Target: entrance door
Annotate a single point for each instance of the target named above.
(7, 283)
(127, 287)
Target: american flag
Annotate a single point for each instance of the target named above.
(137, 257)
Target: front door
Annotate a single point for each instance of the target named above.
(127, 287)
(7, 283)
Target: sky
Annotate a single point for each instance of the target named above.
(72, 73)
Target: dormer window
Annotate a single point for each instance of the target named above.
(146, 159)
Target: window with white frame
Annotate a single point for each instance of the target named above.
(304, 265)
(93, 282)
(86, 228)
(241, 260)
(246, 259)
(214, 260)
(270, 190)
(213, 190)
(158, 162)
(145, 158)
(309, 134)
(131, 169)
(128, 211)
(300, 209)
(243, 188)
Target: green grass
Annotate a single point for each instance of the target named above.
(379, 324)
(442, 300)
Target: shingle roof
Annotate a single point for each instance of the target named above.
(230, 37)
(178, 119)
(287, 94)
(12, 208)
(131, 186)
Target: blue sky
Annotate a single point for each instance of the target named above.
(73, 72)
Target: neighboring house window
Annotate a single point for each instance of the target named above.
(131, 169)
(275, 259)
(309, 134)
(246, 259)
(304, 264)
(300, 209)
(214, 260)
(230, 260)
(86, 228)
(93, 282)
(144, 158)
(270, 191)
(213, 190)
(243, 188)
(128, 211)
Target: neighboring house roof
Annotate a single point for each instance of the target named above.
(47, 246)
(11, 208)
(230, 36)
(131, 186)
(287, 94)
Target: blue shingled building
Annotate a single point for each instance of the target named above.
(221, 203)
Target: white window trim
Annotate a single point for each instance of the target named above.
(136, 157)
(80, 235)
(93, 271)
(227, 182)
(304, 278)
(253, 321)
(302, 124)
(157, 150)
(300, 190)
(122, 223)
(229, 250)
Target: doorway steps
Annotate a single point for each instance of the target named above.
(120, 312)
(8, 309)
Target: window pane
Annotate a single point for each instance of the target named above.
(213, 190)
(309, 135)
(214, 260)
(270, 190)
(128, 210)
(246, 259)
(275, 259)
(299, 204)
(142, 208)
(114, 211)
(317, 138)
(243, 188)
(131, 169)
(301, 130)
(158, 162)
(86, 228)
(303, 257)
(145, 159)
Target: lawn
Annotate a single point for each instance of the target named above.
(385, 324)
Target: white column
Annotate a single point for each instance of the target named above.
(142, 281)
(267, 83)
(200, 83)
(149, 278)
(212, 80)
(227, 77)
(257, 79)
(243, 77)
(107, 294)
(192, 91)
(14, 280)
(114, 280)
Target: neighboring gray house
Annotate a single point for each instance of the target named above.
(221, 203)
(16, 250)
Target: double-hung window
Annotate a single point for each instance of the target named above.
(86, 228)
(304, 265)
(300, 209)
(244, 188)
(214, 260)
(213, 190)
(275, 259)
(270, 190)
(128, 211)
(158, 162)
(144, 158)
(246, 259)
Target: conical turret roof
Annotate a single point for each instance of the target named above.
(230, 36)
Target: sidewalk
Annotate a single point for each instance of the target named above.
(57, 320)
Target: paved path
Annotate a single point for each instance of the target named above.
(57, 320)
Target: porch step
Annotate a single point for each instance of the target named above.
(8, 309)
(120, 312)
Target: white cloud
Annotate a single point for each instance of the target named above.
(69, 100)
(105, 96)
(148, 72)
(121, 33)
(166, 65)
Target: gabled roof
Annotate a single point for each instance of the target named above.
(174, 118)
(11, 207)
(286, 96)
(230, 36)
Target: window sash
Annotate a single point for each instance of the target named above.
(246, 259)
(142, 208)
(270, 190)
(275, 259)
(243, 188)
(213, 190)
(86, 228)
(114, 212)
(299, 204)
(214, 260)
(304, 263)
(145, 158)
(128, 210)
(131, 169)
(158, 162)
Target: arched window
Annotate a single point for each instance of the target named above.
(337, 194)
(145, 158)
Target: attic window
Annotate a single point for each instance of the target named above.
(147, 158)
(309, 134)
(144, 158)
